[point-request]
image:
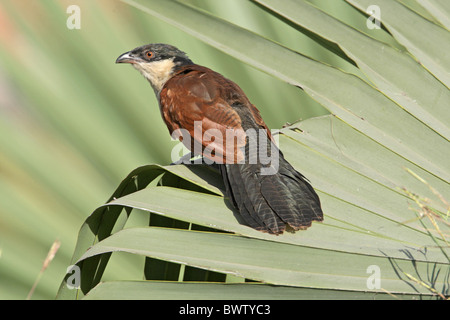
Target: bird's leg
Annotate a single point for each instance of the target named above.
(187, 159)
(184, 159)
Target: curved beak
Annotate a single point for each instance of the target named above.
(127, 57)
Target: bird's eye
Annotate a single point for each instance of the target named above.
(149, 54)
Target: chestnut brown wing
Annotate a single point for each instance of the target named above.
(200, 101)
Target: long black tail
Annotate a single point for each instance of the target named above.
(272, 202)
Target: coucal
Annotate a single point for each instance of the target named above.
(224, 127)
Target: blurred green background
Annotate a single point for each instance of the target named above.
(73, 124)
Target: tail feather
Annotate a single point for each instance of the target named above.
(260, 206)
(305, 198)
(236, 191)
(271, 203)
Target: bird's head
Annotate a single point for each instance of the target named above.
(156, 62)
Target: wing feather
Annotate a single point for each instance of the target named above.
(194, 101)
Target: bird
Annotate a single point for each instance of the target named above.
(214, 118)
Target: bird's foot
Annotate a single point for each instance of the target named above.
(188, 159)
